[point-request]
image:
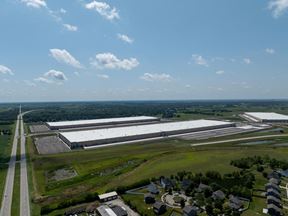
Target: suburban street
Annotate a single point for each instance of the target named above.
(8, 190)
(24, 190)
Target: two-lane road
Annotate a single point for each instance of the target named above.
(9, 184)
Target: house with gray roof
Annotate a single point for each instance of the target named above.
(190, 210)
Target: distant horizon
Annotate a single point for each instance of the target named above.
(172, 100)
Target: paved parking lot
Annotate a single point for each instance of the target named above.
(38, 128)
(50, 145)
(218, 133)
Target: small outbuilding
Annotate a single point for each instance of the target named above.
(108, 196)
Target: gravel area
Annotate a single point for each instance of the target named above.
(38, 128)
(50, 145)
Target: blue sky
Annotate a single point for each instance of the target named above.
(143, 50)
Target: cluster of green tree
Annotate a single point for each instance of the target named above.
(168, 109)
(8, 116)
(249, 162)
(123, 189)
(90, 197)
(5, 132)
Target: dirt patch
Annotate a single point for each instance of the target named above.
(61, 174)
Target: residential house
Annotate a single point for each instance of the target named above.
(159, 208)
(190, 210)
(220, 195)
(149, 198)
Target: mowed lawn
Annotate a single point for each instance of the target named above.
(106, 168)
(5, 150)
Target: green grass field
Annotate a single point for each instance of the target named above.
(5, 151)
(144, 161)
(16, 192)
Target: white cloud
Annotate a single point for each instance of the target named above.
(63, 11)
(70, 27)
(278, 7)
(29, 83)
(64, 56)
(247, 61)
(5, 70)
(220, 72)
(103, 9)
(43, 80)
(52, 76)
(110, 61)
(103, 76)
(188, 86)
(57, 75)
(125, 38)
(200, 60)
(269, 50)
(35, 3)
(156, 77)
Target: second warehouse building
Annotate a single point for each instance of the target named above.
(86, 138)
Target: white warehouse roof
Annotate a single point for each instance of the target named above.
(109, 133)
(267, 115)
(100, 121)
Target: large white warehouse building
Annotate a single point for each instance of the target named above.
(138, 132)
(265, 117)
(100, 122)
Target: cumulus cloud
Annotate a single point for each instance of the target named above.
(35, 3)
(125, 38)
(200, 60)
(52, 76)
(270, 51)
(43, 80)
(5, 70)
(103, 76)
(64, 56)
(57, 75)
(110, 61)
(220, 72)
(70, 27)
(247, 61)
(156, 77)
(278, 7)
(103, 9)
